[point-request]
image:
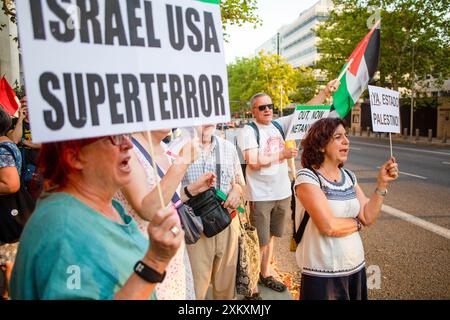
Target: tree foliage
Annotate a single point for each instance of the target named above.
(414, 39)
(270, 74)
(9, 10)
(238, 12)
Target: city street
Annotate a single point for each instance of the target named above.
(412, 261)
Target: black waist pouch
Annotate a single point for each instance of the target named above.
(208, 207)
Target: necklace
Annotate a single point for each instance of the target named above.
(329, 176)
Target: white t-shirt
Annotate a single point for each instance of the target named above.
(319, 255)
(272, 183)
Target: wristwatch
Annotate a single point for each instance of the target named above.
(187, 193)
(382, 193)
(147, 273)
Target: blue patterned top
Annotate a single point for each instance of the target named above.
(10, 160)
(320, 255)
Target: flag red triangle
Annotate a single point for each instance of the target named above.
(359, 51)
(8, 99)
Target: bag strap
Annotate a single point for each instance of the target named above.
(217, 154)
(147, 156)
(247, 216)
(255, 128)
(350, 175)
(303, 223)
(279, 127)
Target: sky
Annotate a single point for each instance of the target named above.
(274, 13)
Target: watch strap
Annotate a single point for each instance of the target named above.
(147, 273)
(187, 193)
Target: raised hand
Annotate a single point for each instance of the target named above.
(388, 172)
(165, 234)
(290, 153)
(332, 87)
(190, 151)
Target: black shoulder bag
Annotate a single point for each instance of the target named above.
(191, 224)
(15, 210)
(209, 207)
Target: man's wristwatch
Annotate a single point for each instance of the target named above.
(382, 193)
(147, 273)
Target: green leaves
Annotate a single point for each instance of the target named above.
(270, 74)
(414, 39)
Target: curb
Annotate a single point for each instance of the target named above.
(419, 142)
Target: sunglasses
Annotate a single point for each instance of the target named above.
(263, 107)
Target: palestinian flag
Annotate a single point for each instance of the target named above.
(8, 99)
(364, 64)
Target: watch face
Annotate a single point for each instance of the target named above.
(147, 273)
(139, 267)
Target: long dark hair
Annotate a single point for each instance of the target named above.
(319, 135)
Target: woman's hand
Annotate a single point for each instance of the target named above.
(388, 172)
(190, 152)
(165, 236)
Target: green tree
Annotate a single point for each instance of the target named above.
(238, 12)
(9, 10)
(270, 74)
(414, 39)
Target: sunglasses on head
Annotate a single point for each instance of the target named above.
(263, 107)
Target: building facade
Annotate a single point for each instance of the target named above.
(296, 41)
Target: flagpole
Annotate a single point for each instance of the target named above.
(390, 142)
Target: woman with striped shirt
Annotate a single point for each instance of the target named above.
(330, 253)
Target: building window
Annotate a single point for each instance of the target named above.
(318, 17)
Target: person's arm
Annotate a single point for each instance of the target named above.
(206, 181)
(325, 93)
(9, 180)
(146, 203)
(16, 134)
(163, 246)
(237, 184)
(32, 145)
(315, 202)
(371, 208)
(256, 162)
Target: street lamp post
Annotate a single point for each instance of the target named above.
(412, 95)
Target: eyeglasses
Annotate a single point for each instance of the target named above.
(118, 139)
(263, 107)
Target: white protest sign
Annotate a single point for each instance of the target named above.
(385, 109)
(303, 117)
(102, 67)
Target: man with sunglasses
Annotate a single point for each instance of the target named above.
(268, 184)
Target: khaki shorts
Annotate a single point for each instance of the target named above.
(269, 218)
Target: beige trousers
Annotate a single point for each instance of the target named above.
(214, 261)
